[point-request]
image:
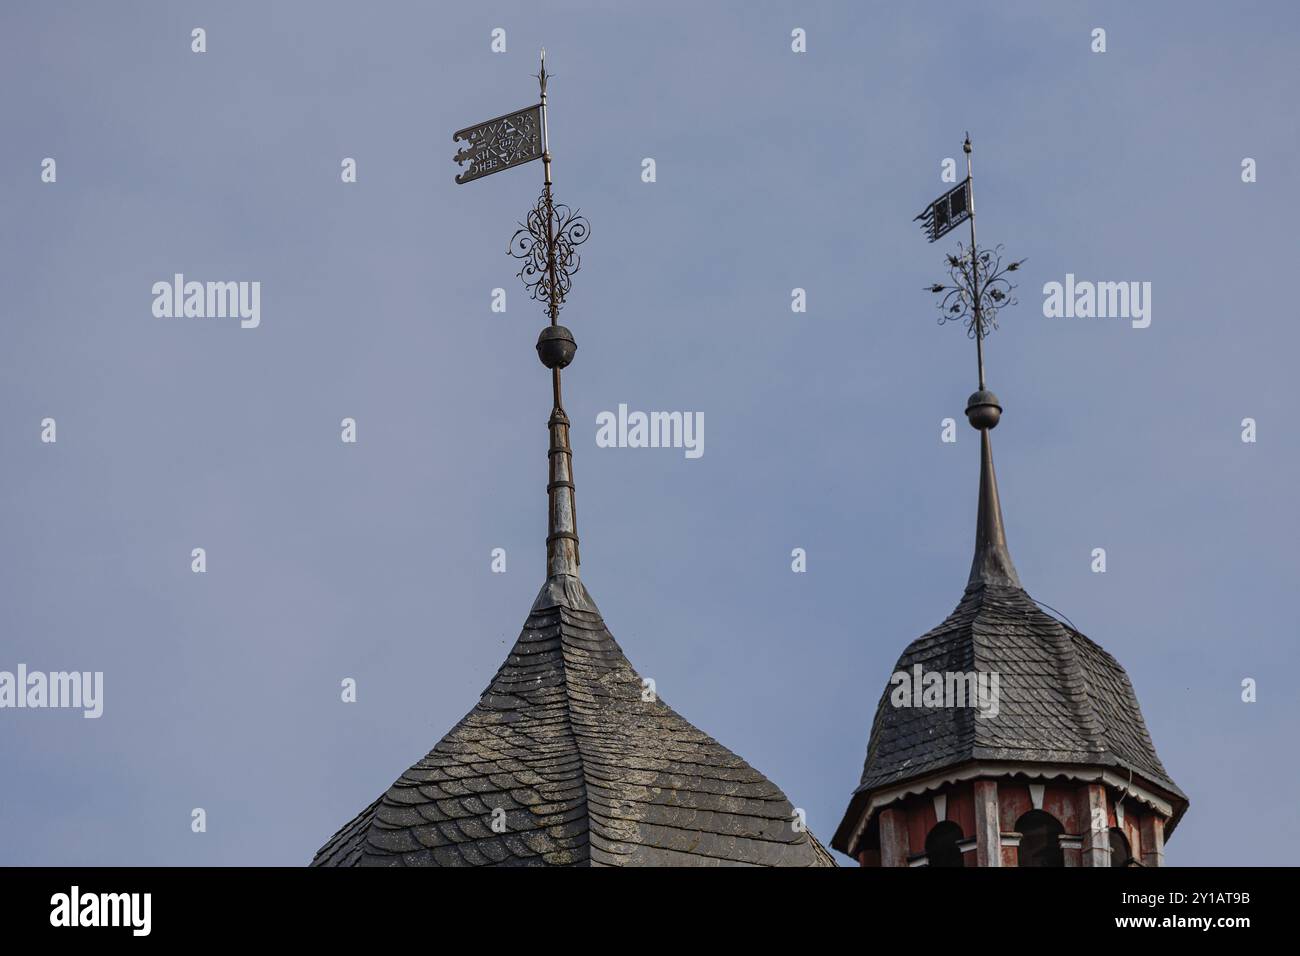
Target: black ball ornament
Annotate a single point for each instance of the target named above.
(983, 409)
(555, 346)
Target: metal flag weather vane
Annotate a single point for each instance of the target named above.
(548, 238)
(510, 140)
(947, 212)
(978, 285)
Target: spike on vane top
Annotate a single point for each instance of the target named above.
(542, 75)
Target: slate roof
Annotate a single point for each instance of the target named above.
(1062, 699)
(587, 772)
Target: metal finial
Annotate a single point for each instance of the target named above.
(983, 410)
(556, 346)
(542, 75)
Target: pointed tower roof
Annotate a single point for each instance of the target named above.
(572, 758)
(568, 758)
(1065, 704)
(583, 769)
(1064, 707)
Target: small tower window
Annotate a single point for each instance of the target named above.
(1040, 839)
(1120, 854)
(941, 845)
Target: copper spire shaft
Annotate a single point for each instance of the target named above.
(992, 563)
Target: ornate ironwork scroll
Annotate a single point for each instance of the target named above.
(510, 140)
(547, 242)
(981, 275)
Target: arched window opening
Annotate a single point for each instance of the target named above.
(941, 845)
(1120, 854)
(1040, 839)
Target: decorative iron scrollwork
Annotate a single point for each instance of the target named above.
(547, 242)
(982, 274)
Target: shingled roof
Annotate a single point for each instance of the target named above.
(1063, 701)
(587, 772)
(568, 760)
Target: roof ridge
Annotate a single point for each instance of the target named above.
(568, 717)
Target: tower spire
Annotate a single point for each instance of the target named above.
(546, 242)
(1072, 719)
(979, 287)
(992, 563)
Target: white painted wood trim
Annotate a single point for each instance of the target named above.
(1075, 772)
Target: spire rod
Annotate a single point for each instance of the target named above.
(975, 279)
(561, 504)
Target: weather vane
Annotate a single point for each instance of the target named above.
(978, 285)
(548, 238)
(547, 242)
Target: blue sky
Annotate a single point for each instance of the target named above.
(775, 170)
